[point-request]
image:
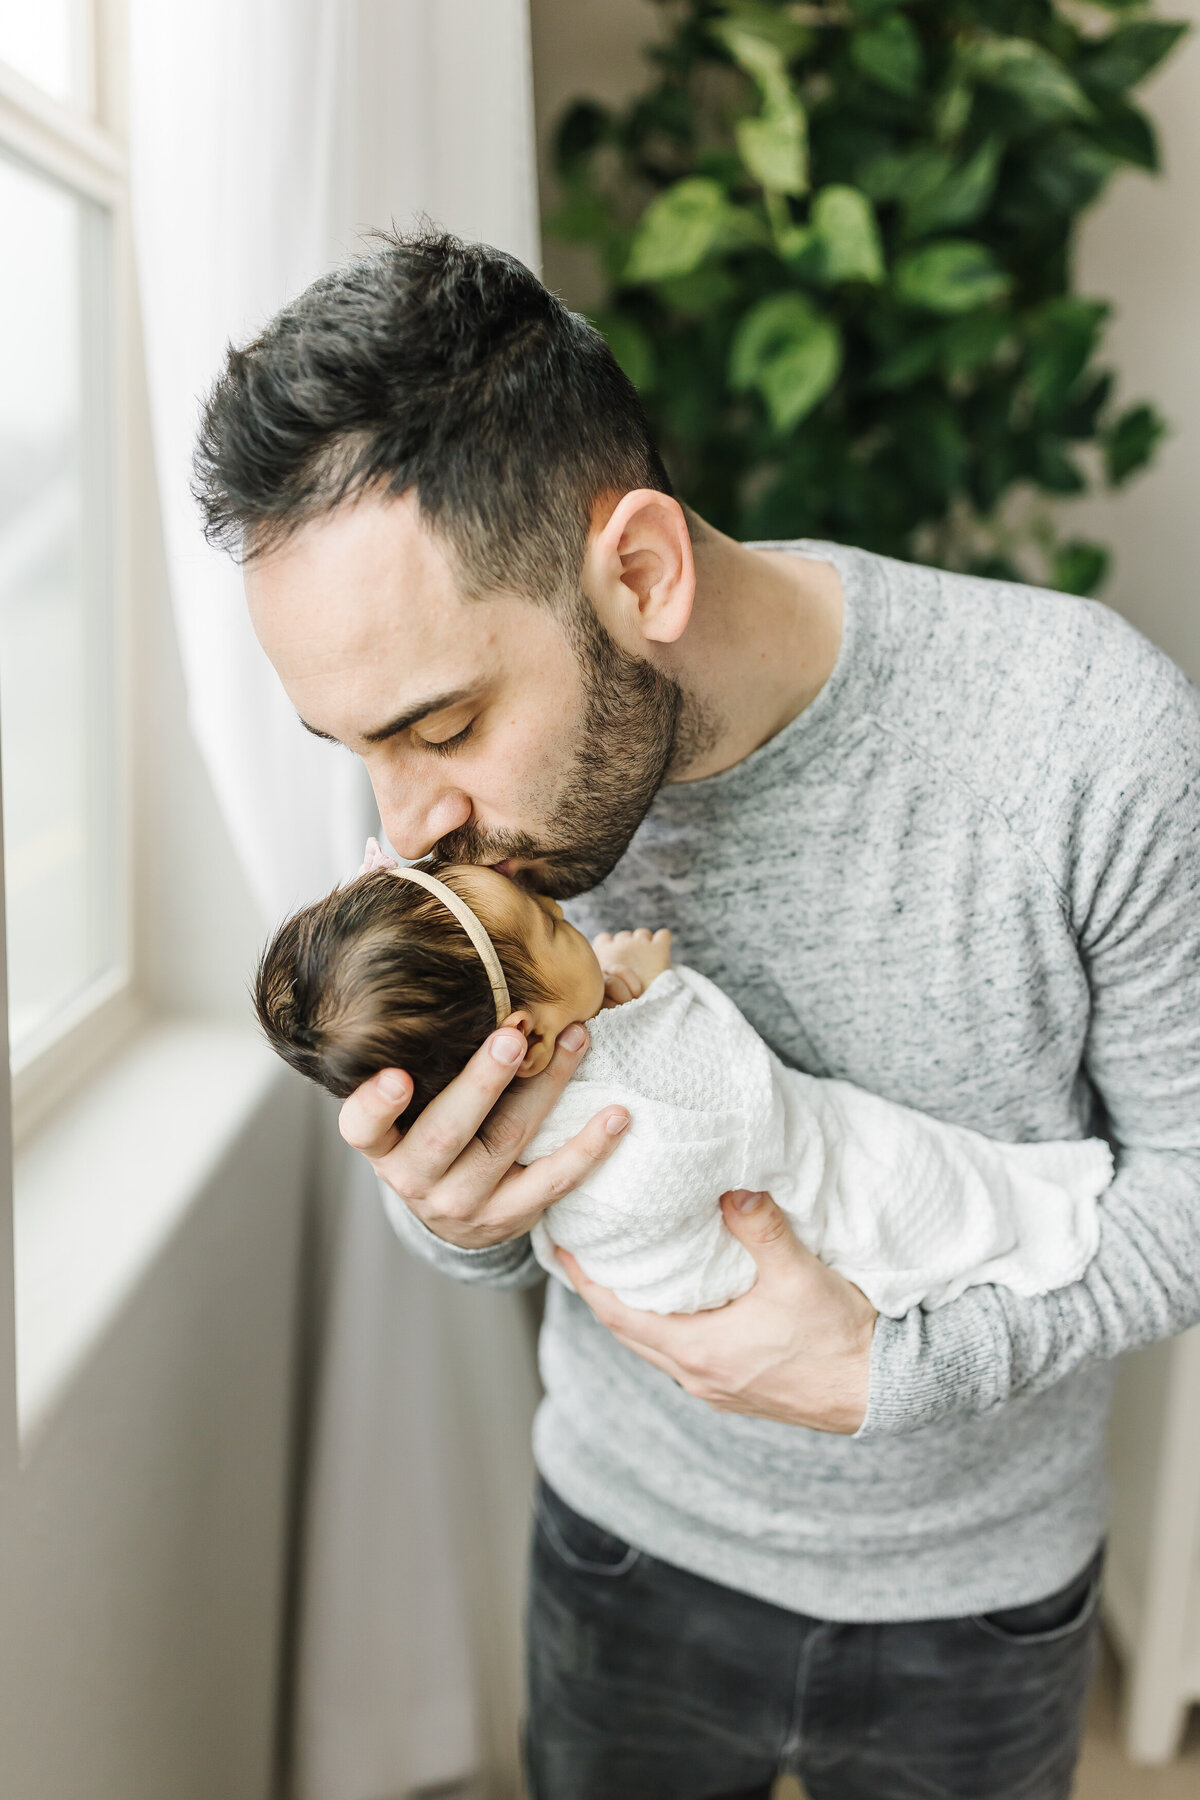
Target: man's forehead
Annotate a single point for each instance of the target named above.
(370, 552)
(361, 615)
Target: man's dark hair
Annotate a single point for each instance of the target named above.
(441, 367)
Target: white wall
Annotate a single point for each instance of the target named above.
(1140, 248)
(142, 1545)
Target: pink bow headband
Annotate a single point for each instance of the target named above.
(375, 858)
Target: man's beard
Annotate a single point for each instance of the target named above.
(638, 724)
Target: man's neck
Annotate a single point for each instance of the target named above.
(762, 642)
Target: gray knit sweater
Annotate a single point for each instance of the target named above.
(967, 878)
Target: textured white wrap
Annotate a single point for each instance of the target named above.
(911, 1210)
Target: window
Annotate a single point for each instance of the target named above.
(62, 767)
(49, 43)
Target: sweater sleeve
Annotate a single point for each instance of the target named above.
(1135, 911)
(510, 1265)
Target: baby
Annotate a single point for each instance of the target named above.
(404, 969)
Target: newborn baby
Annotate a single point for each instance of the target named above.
(400, 969)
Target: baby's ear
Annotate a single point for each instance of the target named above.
(539, 1049)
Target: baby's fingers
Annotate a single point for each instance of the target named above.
(621, 985)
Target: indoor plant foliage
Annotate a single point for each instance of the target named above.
(836, 241)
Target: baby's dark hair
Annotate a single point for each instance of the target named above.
(380, 975)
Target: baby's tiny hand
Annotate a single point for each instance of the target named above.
(631, 960)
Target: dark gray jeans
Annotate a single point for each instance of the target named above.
(649, 1683)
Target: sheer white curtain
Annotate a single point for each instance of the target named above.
(265, 135)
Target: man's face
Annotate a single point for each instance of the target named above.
(496, 731)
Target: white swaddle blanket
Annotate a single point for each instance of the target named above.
(911, 1210)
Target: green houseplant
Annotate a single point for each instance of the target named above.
(836, 241)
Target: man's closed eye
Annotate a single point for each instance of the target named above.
(450, 744)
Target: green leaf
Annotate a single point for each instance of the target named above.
(753, 30)
(995, 568)
(1131, 442)
(631, 346)
(952, 109)
(933, 439)
(1065, 174)
(718, 162)
(801, 376)
(1053, 469)
(953, 197)
(1036, 78)
(890, 54)
(1080, 567)
(909, 362)
(844, 223)
(952, 276)
(677, 230)
(973, 341)
(1127, 56)
(741, 229)
(769, 326)
(889, 175)
(708, 290)
(1126, 133)
(583, 217)
(1062, 337)
(581, 129)
(774, 149)
(789, 352)
(1079, 419)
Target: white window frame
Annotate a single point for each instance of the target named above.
(82, 146)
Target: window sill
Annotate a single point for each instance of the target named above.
(100, 1189)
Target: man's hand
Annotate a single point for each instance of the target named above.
(796, 1348)
(455, 1168)
(630, 961)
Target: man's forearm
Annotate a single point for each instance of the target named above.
(510, 1265)
(991, 1345)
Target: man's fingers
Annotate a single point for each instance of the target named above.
(550, 1177)
(502, 1135)
(368, 1117)
(666, 1363)
(437, 1138)
(640, 1330)
(763, 1227)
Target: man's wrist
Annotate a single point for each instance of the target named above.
(409, 1224)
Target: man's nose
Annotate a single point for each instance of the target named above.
(415, 821)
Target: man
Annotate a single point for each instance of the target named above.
(935, 835)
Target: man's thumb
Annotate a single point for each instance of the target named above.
(757, 1222)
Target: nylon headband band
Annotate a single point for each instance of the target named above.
(473, 929)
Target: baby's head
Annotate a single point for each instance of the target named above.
(381, 975)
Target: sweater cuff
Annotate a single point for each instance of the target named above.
(935, 1365)
(499, 1265)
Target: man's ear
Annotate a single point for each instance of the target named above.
(539, 1048)
(638, 570)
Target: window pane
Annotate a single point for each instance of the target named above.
(44, 41)
(56, 619)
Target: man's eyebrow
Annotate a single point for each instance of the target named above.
(402, 721)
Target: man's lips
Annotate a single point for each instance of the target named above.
(508, 867)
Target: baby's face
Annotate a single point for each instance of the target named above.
(565, 960)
